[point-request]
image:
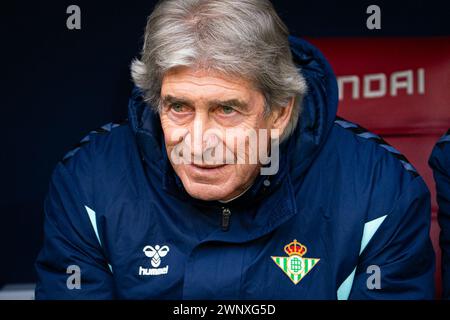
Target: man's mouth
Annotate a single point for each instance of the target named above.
(206, 170)
(207, 166)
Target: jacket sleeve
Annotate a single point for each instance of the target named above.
(397, 262)
(71, 241)
(440, 163)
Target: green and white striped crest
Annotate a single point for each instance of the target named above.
(295, 266)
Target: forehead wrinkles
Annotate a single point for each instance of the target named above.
(208, 93)
(212, 84)
(201, 77)
(205, 82)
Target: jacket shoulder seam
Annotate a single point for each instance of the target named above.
(105, 129)
(366, 134)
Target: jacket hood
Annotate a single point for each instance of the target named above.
(318, 113)
(319, 106)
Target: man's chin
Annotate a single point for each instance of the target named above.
(208, 193)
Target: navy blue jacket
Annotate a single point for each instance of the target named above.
(440, 163)
(346, 216)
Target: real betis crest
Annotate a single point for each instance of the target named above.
(295, 266)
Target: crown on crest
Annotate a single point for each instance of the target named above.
(295, 247)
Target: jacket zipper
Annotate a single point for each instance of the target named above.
(226, 214)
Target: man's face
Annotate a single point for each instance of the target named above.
(198, 110)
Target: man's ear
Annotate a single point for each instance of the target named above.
(281, 115)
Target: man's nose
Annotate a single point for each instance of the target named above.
(200, 141)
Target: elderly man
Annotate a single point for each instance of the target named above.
(440, 163)
(233, 178)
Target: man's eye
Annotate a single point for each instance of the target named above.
(227, 109)
(177, 107)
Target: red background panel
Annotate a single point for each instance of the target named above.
(402, 114)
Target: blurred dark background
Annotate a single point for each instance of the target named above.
(59, 84)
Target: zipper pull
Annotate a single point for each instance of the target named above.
(226, 214)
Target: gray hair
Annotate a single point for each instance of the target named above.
(244, 38)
